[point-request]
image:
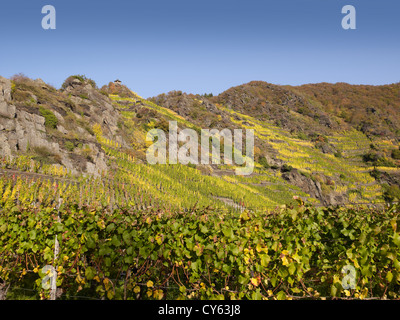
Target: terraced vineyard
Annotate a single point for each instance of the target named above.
(77, 194)
(349, 169)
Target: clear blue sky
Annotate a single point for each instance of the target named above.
(156, 46)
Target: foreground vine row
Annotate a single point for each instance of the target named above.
(126, 253)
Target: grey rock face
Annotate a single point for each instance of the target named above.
(306, 184)
(23, 129)
(5, 89)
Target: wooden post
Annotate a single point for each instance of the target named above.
(53, 282)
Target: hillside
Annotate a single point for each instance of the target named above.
(320, 142)
(79, 204)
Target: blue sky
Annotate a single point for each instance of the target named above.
(202, 46)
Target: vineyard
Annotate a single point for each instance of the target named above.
(295, 252)
(308, 223)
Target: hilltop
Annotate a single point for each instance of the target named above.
(327, 143)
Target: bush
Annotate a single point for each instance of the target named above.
(81, 78)
(45, 156)
(373, 147)
(375, 173)
(377, 160)
(87, 153)
(51, 120)
(391, 193)
(338, 154)
(302, 136)
(69, 146)
(286, 168)
(19, 78)
(42, 151)
(263, 161)
(396, 154)
(162, 124)
(370, 157)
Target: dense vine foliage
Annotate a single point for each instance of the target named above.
(290, 253)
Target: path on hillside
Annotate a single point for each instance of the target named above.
(35, 175)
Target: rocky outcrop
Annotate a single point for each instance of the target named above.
(23, 128)
(313, 187)
(18, 128)
(307, 185)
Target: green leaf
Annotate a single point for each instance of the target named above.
(228, 232)
(396, 264)
(226, 268)
(127, 237)
(144, 252)
(235, 250)
(3, 227)
(115, 241)
(128, 259)
(129, 251)
(59, 227)
(333, 290)
(90, 272)
(281, 295)
(189, 243)
(243, 280)
(265, 259)
(256, 295)
(182, 289)
(104, 250)
(204, 229)
(196, 265)
(32, 234)
(110, 227)
(389, 276)
(391, 256)
(292, 268)
(396, 239)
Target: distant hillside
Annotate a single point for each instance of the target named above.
(327, 143)
(374, 110)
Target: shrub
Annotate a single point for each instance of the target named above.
(42, 151)
(383, 162)
(12, 87)
(338, 154)
(396, 154)
(51, 120)
(391, 193)
(162, 124)
(307, 175)
(19, 78)
(87, 153)
(263, 161)
(375, 173)
(302, 136)
(286, 168)
(373, 147)
(81, 78)
(191, 165)
(69, 146)
(45, 156)
(378, 160)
